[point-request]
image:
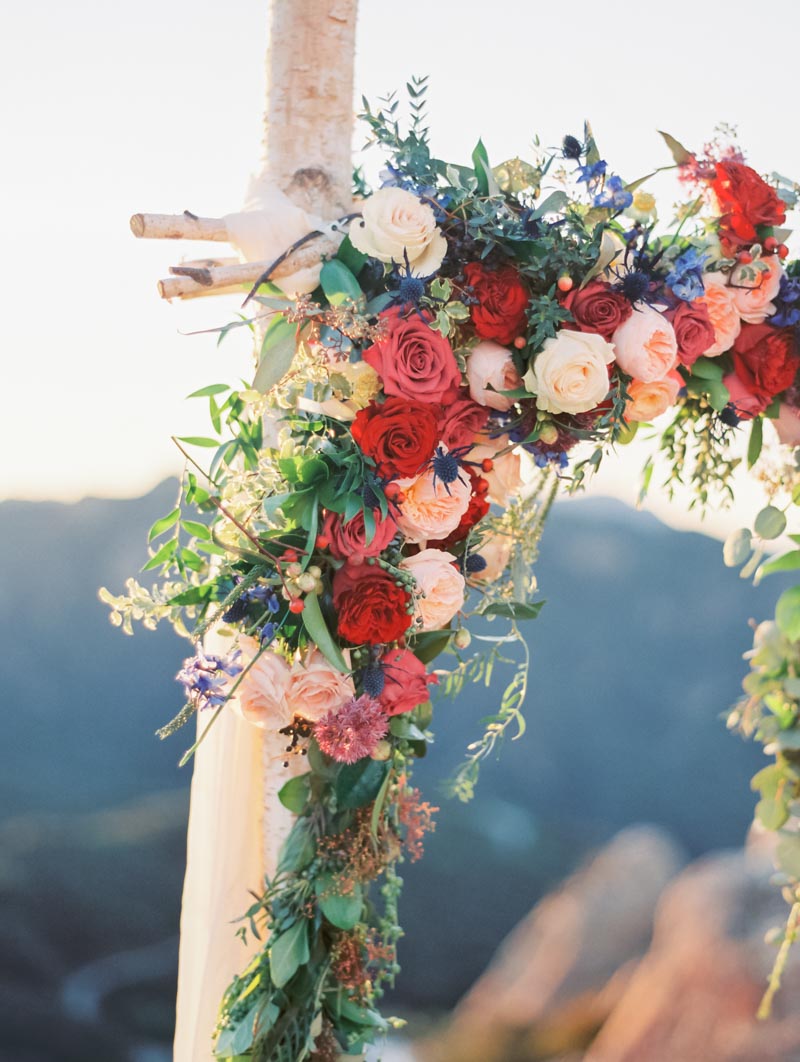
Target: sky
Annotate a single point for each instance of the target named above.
(110, 110)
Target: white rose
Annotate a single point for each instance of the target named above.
(491, 364)
(440, 587)
(570, 375)
(396, 222)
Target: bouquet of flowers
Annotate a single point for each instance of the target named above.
(483, 336)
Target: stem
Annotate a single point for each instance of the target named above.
(774, 983)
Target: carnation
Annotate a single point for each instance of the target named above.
(371, 607)
(405, 682)
(353, 731)
(765, 360)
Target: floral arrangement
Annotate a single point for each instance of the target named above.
(483, 336)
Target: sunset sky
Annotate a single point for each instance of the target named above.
(157, 107)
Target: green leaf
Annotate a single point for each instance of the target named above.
(788, 562)
(294, 794)
(487, 183)
(318, 632)
(707, 369)
(514, 609)
(358, 784)
(772, 813)
(550, 205)
(770, 522)
(429, 644)
(756, 441)
(198, 440)
(787, 856)
(342, 911)
(298, 849)
(679, 152)
(164, 524)
(166, 553)
(352, 258)
(277, 353)
(338, 283)
(197, 529)
(787, 613)
(288, 952)
(212, 389)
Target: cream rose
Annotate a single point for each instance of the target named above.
(261, 696)
(489, 363)
(650, 400)
(722, 312)
(570, 373)
(496, 551)
(430, 511)
(440, 587)
(315, 687)
(755, 286)
(505, 478)
(645, 345)
(395, 223)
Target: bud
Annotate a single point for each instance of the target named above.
(548, 434)
(306, 582)
(462, 638)
(383, 751)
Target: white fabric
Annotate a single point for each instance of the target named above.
(223, 861)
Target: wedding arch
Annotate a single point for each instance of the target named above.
(434, 360)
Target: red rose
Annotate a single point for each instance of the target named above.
(461, 421)
(414, 360)
(765, 360)
(597, 308)
(693, 330)
(502, 301)
(478, 508)
(371, 606)
(400, 435)
(746, 201)
(405, 682)
(348, 541)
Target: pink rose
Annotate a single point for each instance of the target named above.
(489, 363)
(261, 696)
(461, 421)
(414, 360)
(746, 404)
(348, 541)
(721, 306)
(787, 424)
(315, 687)
(754, 287)
(645, 345)
(432, 511)
(650, 400)
(505, 476)
(694, 332)
(440, 587)
(405, 682)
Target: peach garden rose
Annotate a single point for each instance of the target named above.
(650, 400)
(315, 687)
(261, 696)
(491, 364)
(645, 345)
(755, 286)
(440, 587)
(431, 510)
(721, 305)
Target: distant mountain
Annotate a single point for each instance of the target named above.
(635, 657)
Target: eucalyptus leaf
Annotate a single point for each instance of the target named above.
(770, 522)
(288, 952)
(342, 910)
(294, 793)
(339, 284)
(787, 613)
(277, 354)
(514, 609)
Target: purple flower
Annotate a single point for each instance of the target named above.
(206, 678)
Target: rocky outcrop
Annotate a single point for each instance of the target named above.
(562, 970)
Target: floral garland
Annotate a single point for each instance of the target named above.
(475, 342)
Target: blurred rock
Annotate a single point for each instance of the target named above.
(560, 973)
(693, 998)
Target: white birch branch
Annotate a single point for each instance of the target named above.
(184, 226)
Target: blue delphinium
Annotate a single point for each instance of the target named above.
(686, 276)
(613, 195)
(787, 304)
(205, 678)
(590, 173)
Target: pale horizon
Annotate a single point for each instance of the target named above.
(162, 112)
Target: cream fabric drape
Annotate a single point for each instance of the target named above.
(223, 861)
